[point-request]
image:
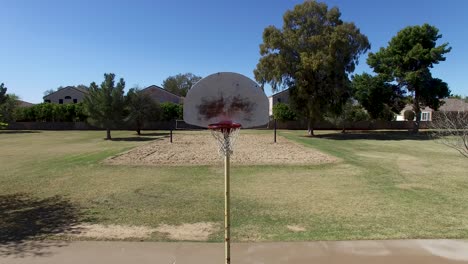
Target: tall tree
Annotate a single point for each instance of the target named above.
(408, 59)
(3, 98)
(3, 95)
(105, 104)
(312, 55)
(381, 99)
(141, 108)
(180, 83)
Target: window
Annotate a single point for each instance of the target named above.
(425, 116)
(75, 101)
(67, 97)
(278, 100)
(60, 101)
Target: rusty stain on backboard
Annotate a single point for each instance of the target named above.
(227, 107)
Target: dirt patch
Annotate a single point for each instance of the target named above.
(296, 228)
(112, 231)
(200, 149)
(196, 231)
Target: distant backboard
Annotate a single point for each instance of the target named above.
(226, 96)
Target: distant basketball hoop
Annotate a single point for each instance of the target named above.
(224, 102)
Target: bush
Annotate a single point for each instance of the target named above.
(283, 112)
(171, 111)
(409, 115)
(48, 112)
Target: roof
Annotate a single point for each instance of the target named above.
(454, 105)
(22, 103)
(278, 93)
(66, 88)
(160, 88)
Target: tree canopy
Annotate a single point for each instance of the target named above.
(381, 99)
(105, 104)
(407, 60)
(180, 83)
(312, 55)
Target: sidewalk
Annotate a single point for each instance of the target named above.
(362, 252)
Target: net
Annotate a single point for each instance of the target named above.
(225, 134)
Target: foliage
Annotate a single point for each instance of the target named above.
(8, 103)
(381, 99)
(409, 115)
(350, 113)
(48, 112)
(2, 124)
(141, 108)
(105, 103)
(312, 55)
(180, 83)
(3, 94)
(8, 108)
(171, 111)
(283, 112)
(451, 129)
(407, 60)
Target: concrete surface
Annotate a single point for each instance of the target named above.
(362, 252)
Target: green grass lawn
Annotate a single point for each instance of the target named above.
(387, 185)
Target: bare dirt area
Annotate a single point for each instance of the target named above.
(189, 148)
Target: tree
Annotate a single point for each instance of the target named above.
(407, 60)
(141, 108)
(3, 95)
(283, 112)
(451, 129)
(171, 111)
(105, 104)
(8, 108)
(381, 99)
(312, 55)
(180, 83)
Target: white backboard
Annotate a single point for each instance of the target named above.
(226, 96)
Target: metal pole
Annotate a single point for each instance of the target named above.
(275, 130)
(171, 135)
(227, 215)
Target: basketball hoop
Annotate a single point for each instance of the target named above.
(225, 134)
(215, 101)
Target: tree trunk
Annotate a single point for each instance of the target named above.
(310, 127)
(417, 112)
(138, 131)
(108, 134)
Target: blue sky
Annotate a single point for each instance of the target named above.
(46, 44)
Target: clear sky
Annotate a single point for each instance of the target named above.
(50, 43)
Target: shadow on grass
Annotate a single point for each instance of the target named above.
(155, 134)
(135, 139)
(377, 135)
(19, 131)
(26, 221)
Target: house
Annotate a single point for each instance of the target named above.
(160, 95)
(449, 105)
(280, 97)
(69, 94)
(426, 113)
